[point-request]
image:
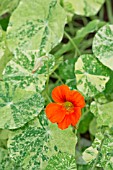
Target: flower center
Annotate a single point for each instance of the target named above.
(69, 107)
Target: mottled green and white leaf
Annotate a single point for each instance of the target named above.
(83, 7)
(103, 45)
(18, 106)
(61, 161)
(29, 71)
(101, 150)
(27, 146)
(91, 75)
(40, 27)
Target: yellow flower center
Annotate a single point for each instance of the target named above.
(69, 107)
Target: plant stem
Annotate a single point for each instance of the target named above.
(59, 78)
(47, 82)
(72, 42)
(109, 11)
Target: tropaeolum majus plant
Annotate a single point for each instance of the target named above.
(63, 48)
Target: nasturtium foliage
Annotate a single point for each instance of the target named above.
(91, 75)
(27, 71)
(101, 150)
(40, 27)
(18, 106)
(83, 7)
(103, 45)
(62, 161)
(62, 145)
(27, 146)
(104, 117)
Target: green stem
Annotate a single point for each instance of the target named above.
(49, 100)
(109, 11)
(72, 42)
(59, 78)
(47, 82)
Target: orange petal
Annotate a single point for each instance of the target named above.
(65, 122)
(55, 112)
(75, 116)
(76, 98)
(59, 93)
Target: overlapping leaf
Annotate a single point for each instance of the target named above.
(40, 27)
(91, 75)
(103, 45)
(18, 106)
(61, 161)
(83, 7)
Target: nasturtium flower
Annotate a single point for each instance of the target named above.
(67, 107)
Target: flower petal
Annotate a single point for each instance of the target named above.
(65, 122)
(59, 93)
(75, 116)
(76, 98)
(55, 112)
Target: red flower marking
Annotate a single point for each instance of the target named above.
(67, 107)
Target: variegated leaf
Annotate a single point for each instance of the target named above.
(18, 106)
(40, 27)
(91, 75)
(27, 71)
(28, 145)
(61, 161)
(103, 45)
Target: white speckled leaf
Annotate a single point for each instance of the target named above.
(83, 7)
(29, 71)
(40, 27)
(91, 75)
(103, 45)
(8, 6)
(102, 148)
(5, 161)
(18, 106)
(61, 161)
(27, 146)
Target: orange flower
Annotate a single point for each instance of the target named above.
(67, 107)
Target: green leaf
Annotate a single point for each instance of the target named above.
(7, 6)
(28, 145)
(61, 161)
(18, 106)
(40, 28)
(92, 26)
(103, 45)
(83, 7)
(91, 75)
(61, 140)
